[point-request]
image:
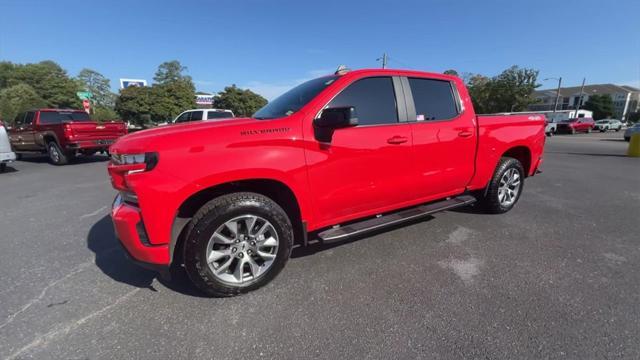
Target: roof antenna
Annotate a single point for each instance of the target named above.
(342, 69)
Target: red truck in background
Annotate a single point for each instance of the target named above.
(62, 134)
(334, 157)
(575, 125)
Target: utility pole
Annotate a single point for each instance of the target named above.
(555, 106)
(384, 60)
(580, 97)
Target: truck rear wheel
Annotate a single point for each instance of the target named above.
(505, 187)
(237, 243)
(56, 155)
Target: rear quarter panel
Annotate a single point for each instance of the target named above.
(497, 134)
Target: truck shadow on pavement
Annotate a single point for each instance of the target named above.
(44, 159)
(586, 154)
(112, 261)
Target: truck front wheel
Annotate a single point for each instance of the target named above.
(505, 187)
(237, 243)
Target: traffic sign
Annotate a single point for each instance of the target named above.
(84, 95)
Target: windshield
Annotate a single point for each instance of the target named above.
(602, 122)
(57, 117)
(294, 99)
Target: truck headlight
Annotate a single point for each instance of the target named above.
(150, 160)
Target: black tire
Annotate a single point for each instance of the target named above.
(18, 156)
(3, 167)
(214, 214)
(56, 155)
(490, 201)
(627, 139)
(572, 131)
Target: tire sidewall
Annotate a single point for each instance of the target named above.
(61, 157)
(491, 200)
(512, 164)
(198, 239)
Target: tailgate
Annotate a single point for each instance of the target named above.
(95, 131)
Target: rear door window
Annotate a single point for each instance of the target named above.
(373, 98)
(433, 99)
(196, 115)
(28, 119)
(218, 115)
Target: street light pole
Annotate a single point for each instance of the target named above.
(580, 97)
(555, 106)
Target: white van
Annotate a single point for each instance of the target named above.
(6, 155)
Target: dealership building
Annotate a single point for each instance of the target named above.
(626, 99)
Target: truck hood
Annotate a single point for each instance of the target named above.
(189, 134)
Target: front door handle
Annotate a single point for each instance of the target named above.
(397, 140)
(465, 133)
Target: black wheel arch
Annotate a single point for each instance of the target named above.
(276, 190)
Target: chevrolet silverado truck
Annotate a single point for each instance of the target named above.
(335, 157)
(62, 134)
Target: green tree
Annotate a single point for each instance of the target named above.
(451, 72)
(241, 102)
(16, 99)
(101, 113)
(99, 86)
(170, 71)
(601, 105)
(512, 90)
(171, 98)
(50, 82)
(7, 70)
(133, 103)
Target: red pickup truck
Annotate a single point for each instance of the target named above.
(334, 157)
(62, 134)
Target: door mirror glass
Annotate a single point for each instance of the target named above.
(338, 117)
(332, 119)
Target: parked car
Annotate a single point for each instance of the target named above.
(573, 126)
(62, 134)
(203, 114)
(551, 128)
(608, 124)
(631, 130)
(6, 155)
(336, 156)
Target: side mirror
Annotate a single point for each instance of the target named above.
(332, 119)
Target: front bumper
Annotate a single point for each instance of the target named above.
(130, 230)
(7, 156)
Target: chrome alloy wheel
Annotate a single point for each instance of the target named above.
(509, 187)
(242, 249)
(55, 155)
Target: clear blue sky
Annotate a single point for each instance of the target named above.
(270, 45)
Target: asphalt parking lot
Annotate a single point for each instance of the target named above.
(557, 277)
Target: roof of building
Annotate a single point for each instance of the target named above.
(588, 89)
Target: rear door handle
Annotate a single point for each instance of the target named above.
(397, 140)
(465, 133)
